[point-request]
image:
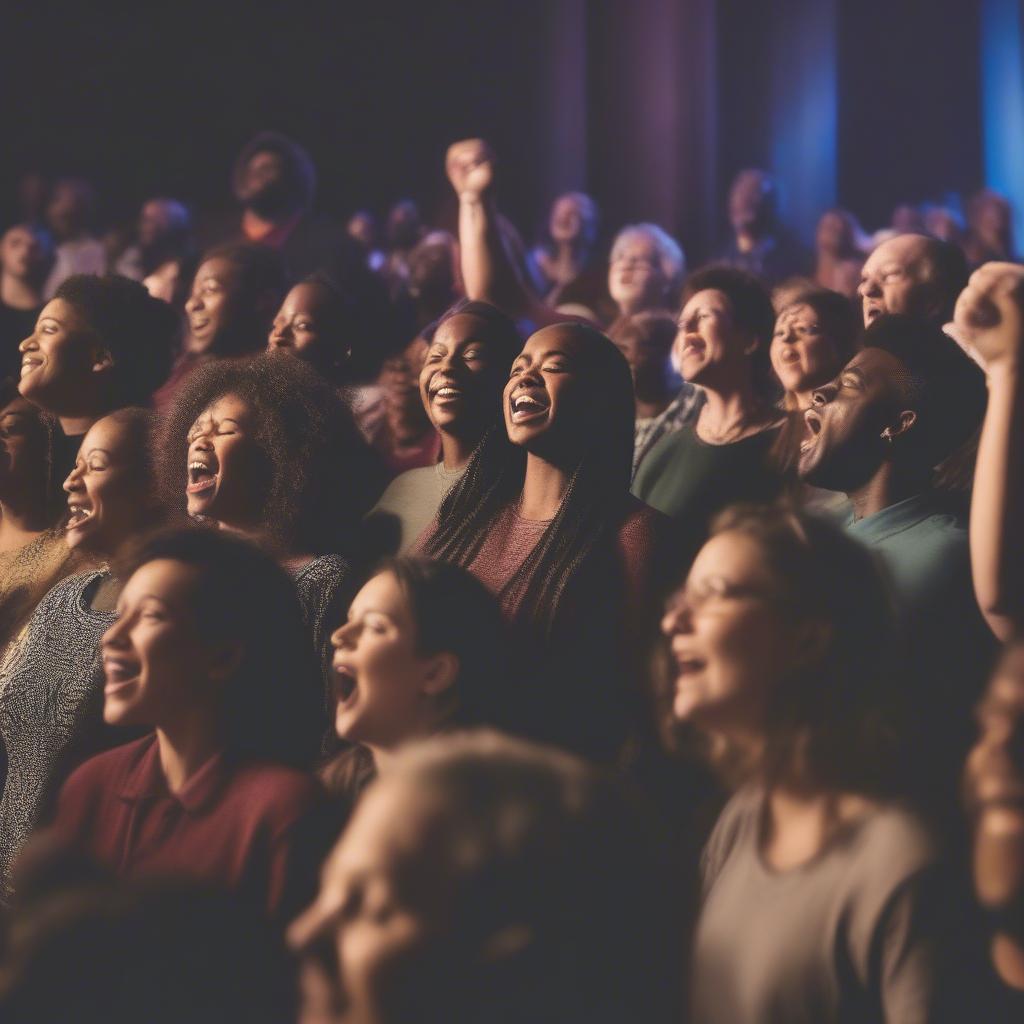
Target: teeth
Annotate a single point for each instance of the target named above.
(446, 391)
(524, 401)
(78, 513)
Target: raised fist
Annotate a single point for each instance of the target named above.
(470, 167)
(989, 318)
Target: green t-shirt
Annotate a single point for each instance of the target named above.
(691, 480)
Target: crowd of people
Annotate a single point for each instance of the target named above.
(420, 626)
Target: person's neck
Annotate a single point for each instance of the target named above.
(21, 521)
(380, 756)
(887, 486)
(748, 239)
(256, 226)
(456, 451)
(800, 822)
(543, 489)
(76, 426)
(18, 294)
(729, 410)
(184, 748)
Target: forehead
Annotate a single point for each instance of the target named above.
(217, 269)
(707, 298)
(903, 251)
(383, 593)
(229, 406)
(634, 242)
(265, 158)
(306, 296)
(19, 233)
(559, 338)
(876, 364)
(459, 328)
(164, 578)
(113, 435)
(58, 309)
(798, 311)
(733, 555)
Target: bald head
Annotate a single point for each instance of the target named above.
(912, 274)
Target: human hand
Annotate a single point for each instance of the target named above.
(470, 167)
(988, 322)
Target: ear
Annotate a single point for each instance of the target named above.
(442, 671)
(225, 662)
(102, 360)
(903, 423)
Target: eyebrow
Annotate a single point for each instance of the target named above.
(855, 371)
(546, 354)
(97, 451)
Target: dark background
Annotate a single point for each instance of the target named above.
(651, 104)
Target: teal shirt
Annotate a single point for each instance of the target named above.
(925, 554)
(691, 480)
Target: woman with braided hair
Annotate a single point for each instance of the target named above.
(543, 516)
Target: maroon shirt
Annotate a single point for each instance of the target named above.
(241, 825)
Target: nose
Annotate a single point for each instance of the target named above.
(823, 395)
(280, 334)
(869, 287)
(677, 618)
(193, 304)
(342, 636)
(74, 480)
(29, 344)
(114, 636)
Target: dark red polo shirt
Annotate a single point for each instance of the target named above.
(242, 825)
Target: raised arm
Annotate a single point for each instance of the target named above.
(488, 271)
(989, 321)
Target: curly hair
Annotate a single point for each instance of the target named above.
(140, 333)
(323, 476)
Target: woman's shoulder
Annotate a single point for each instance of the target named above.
(68, 590)
(105, 772)
(322, 571)
(892, 839)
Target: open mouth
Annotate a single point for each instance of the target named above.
(201, 477)
(118, 672)
(872, 313)
(445, 393)
(198, 326)
(687, 665)
(527, 406)
(693, 348)
(77, 515)
(813, 421)
(345, 686)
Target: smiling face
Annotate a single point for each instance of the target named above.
(58, 359)
(156, 663)
(462, 376)
(385, 687)
(228, 470)
(803, 356)
(895, 278)
(305, 327)
(23, 454)
(844, 444)
(215, 305)
(731, 640)
(636, 279)
(545, 397)
(109, 499)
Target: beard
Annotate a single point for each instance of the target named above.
(273, 201)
